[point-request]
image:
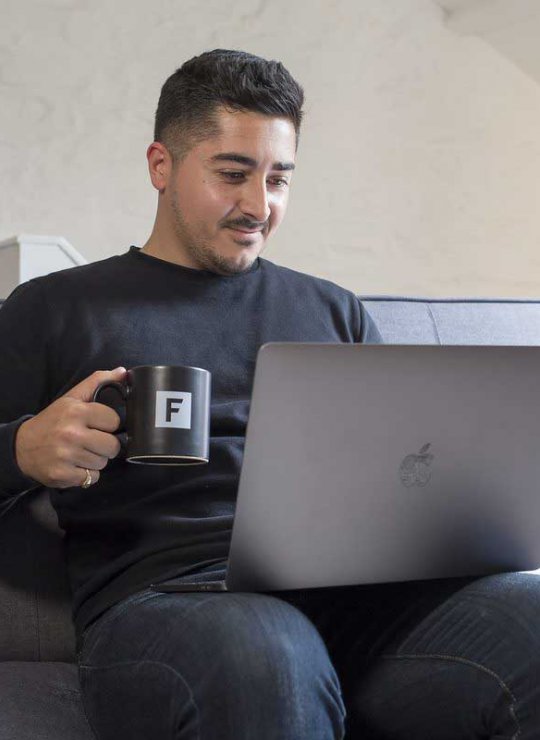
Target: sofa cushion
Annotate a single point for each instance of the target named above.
(41, 701)
(35, 600)
(455, 320)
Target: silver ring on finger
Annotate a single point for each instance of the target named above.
(87, 482)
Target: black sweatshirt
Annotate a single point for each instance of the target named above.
(143, 524)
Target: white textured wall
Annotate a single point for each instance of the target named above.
(418, 168)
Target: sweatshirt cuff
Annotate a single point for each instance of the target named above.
(12, 479)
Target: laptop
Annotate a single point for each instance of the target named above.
(380, 463)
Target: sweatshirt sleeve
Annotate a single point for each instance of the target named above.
(23, 376)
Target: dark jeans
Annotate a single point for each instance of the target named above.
(434, 660)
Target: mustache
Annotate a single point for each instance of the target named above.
(244, 223)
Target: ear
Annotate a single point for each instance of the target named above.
(159, 165)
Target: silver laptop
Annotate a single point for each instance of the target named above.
(378, 463)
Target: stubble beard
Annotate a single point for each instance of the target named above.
(200, 250)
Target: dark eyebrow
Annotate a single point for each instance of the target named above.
(249, 161)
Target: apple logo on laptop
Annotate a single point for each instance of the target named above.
(414, 469)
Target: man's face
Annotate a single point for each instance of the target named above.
(230, 192)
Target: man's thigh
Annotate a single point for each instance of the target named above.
(201, 665)
(437, 660)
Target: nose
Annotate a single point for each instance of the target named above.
(254, 201)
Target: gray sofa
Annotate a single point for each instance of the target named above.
(39, 696)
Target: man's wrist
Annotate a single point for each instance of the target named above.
(18, 449)
(12, 478)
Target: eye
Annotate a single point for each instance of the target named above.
(280, 182)
(240, 176)
(233, 174)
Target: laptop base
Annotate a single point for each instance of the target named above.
(168, 588)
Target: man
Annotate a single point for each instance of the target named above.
(444, 659)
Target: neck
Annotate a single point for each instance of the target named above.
(163, 244)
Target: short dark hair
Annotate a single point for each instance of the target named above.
(236, 80)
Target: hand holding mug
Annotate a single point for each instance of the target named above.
(56, 446)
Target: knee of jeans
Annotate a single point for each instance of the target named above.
(514, 601)
(262, 640)
(517, 589)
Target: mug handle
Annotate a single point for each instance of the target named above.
(123, 390)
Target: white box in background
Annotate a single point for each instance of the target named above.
(27, 256)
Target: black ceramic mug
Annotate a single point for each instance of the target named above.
(167, 414)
